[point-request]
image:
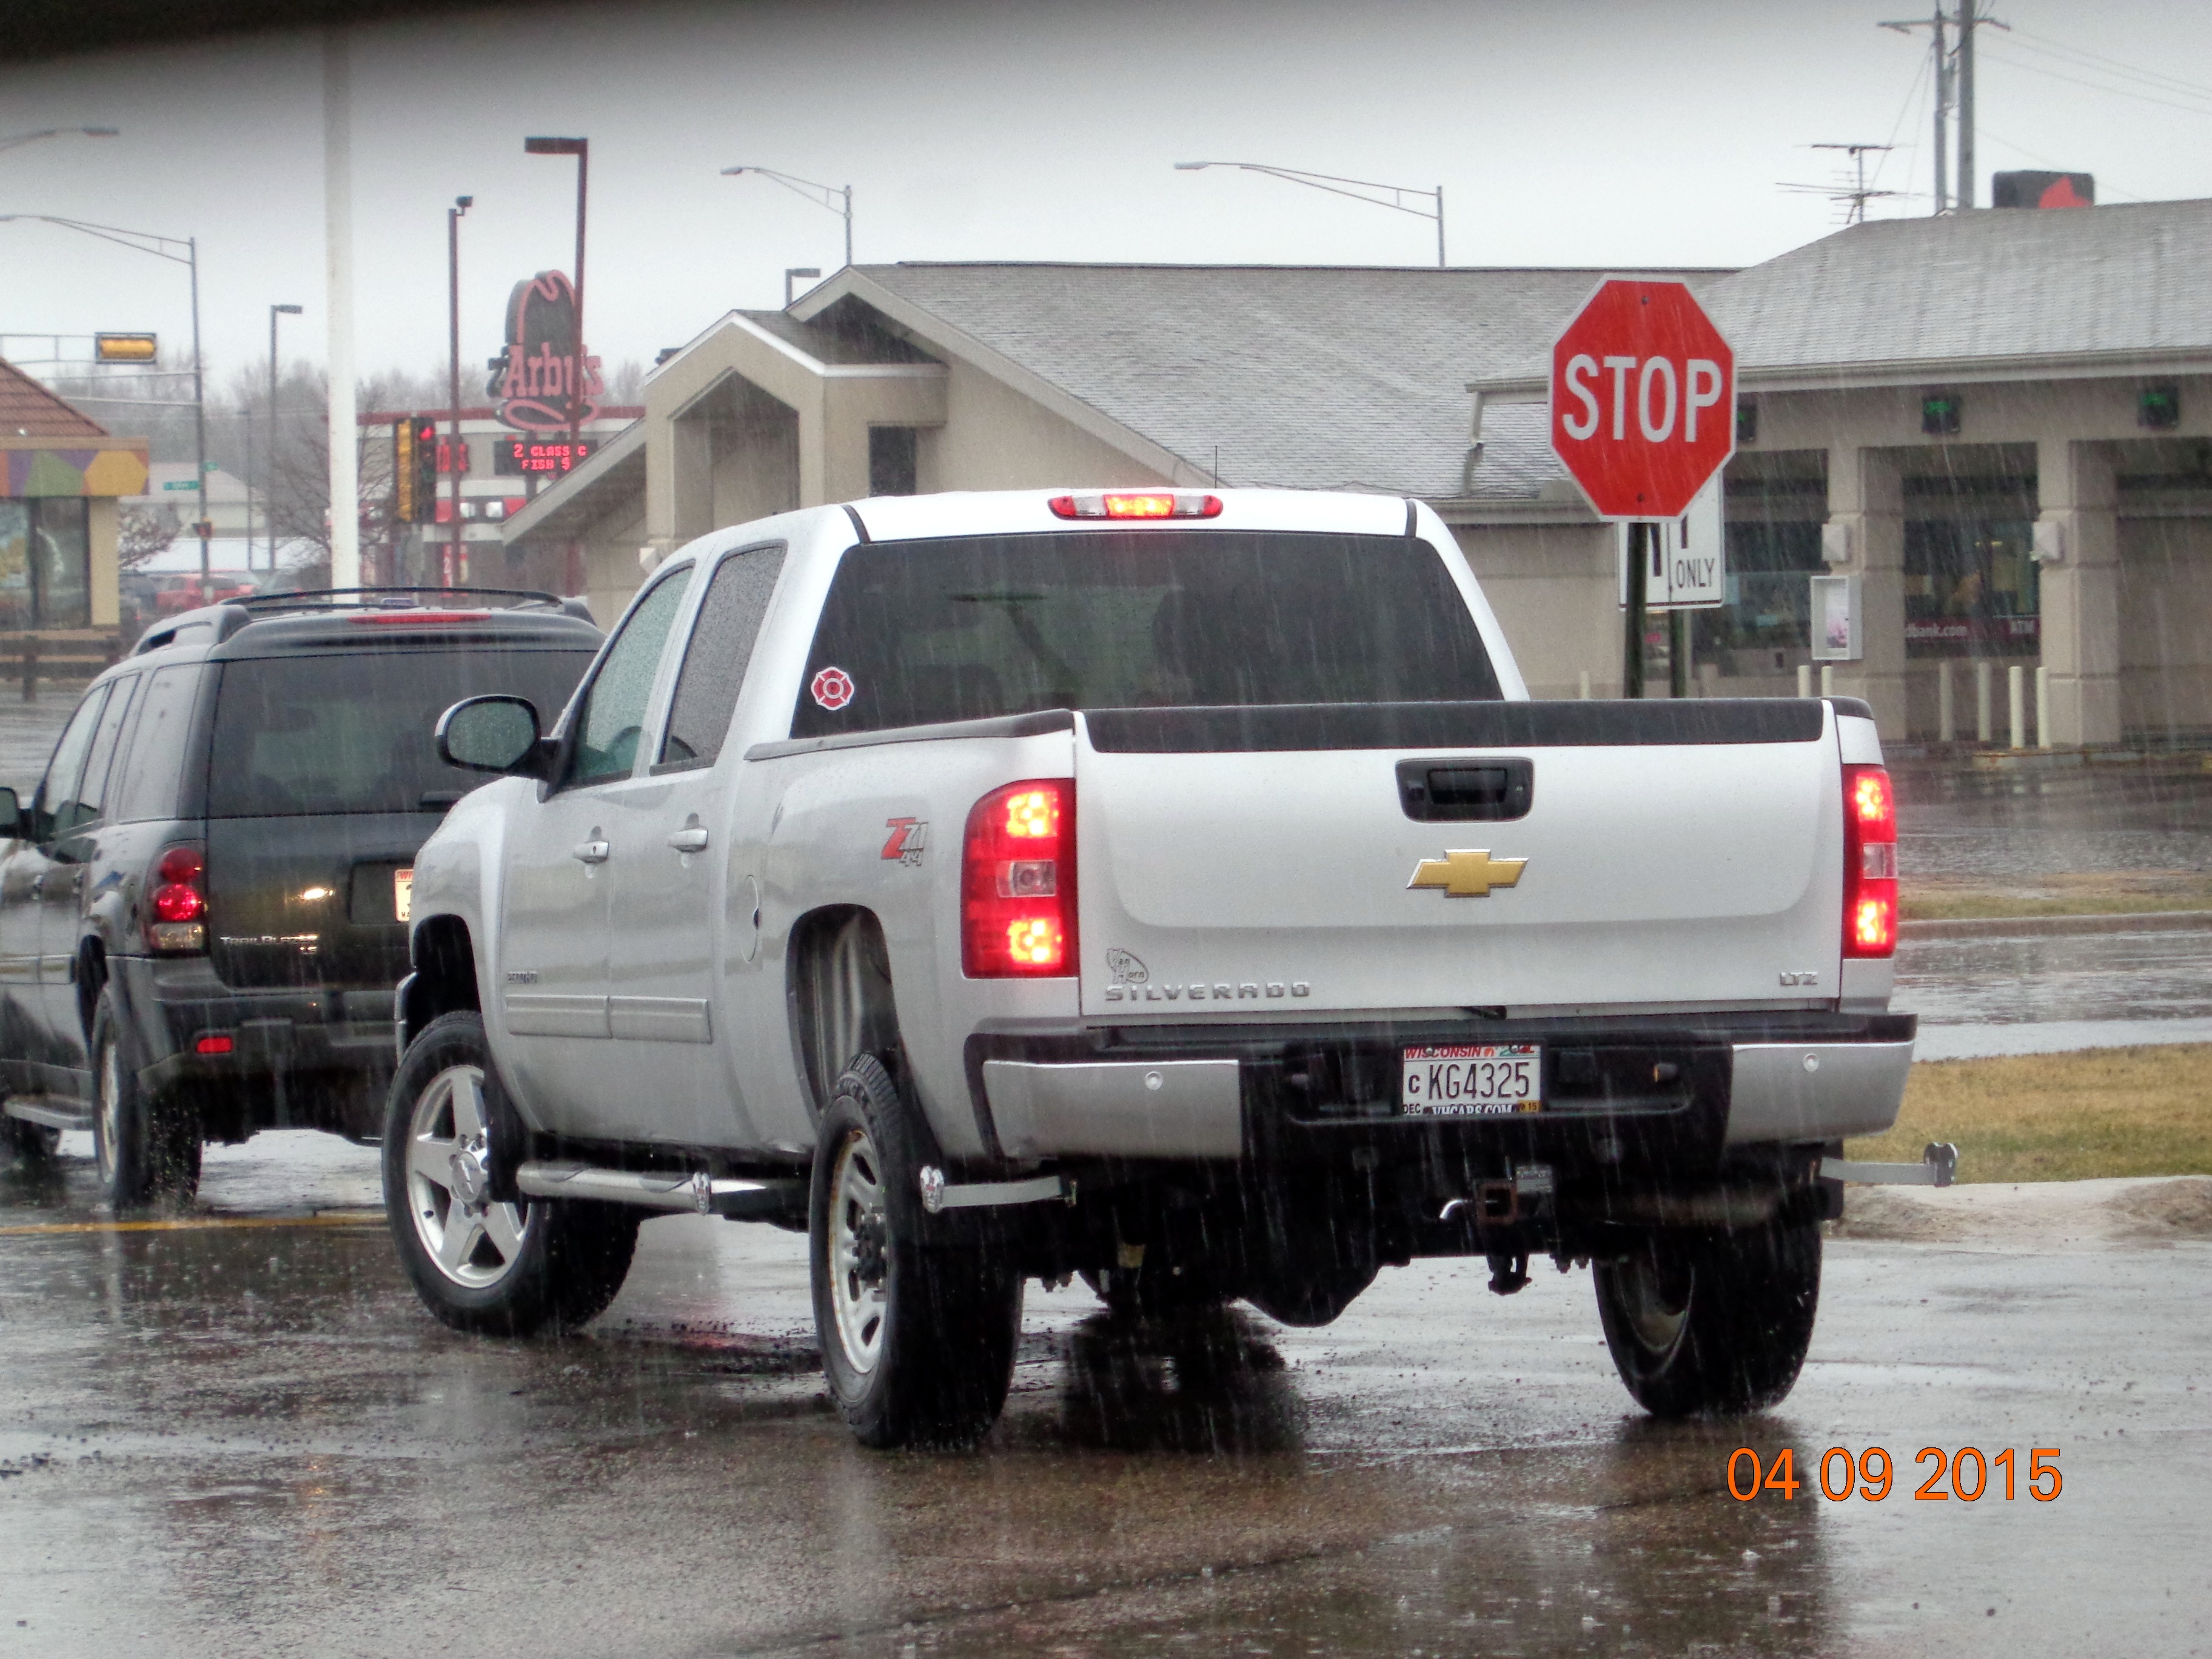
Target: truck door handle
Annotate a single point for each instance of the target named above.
(691, 838)
(590, 852)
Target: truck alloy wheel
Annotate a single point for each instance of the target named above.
(473, 1241)
(917, 1323)
(1712, 1322)
(480, 1265)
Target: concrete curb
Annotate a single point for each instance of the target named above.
(2151, 922)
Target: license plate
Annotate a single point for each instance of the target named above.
(1474, 1079)
(402, 894)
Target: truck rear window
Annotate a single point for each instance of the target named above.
(352, 733)
(914, 633)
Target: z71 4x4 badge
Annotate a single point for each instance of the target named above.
(908, 840)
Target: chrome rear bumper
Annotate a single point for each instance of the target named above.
(1799, 1091)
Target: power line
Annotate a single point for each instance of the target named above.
(2100, 86)
(2110, 65)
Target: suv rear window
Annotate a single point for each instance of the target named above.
(352, 733)
(918, 632)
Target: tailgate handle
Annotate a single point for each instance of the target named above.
(1464, 789)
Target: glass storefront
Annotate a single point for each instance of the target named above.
(45, 563)
(1970, 587)
(1773, 535)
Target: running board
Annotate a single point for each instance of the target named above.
(937, 1194)
(697, 1192)
(1938, 1167)
(53, 1114)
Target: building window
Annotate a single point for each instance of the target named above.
(1772, 534)
(892, 452)
(45, 563)
(1970, 588)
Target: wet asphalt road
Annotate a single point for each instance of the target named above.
(244, 1437)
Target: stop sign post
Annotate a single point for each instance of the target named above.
(1642, 406)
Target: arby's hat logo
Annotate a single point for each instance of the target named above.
(832, 687)
(544, 380)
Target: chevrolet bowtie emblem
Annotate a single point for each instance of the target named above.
(1468, 875)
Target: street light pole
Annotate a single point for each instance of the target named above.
(461, 204)
(269, 495)
(582, 149)
(146, 242)
(1352, 187)
(836, 198)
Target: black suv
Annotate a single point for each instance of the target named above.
(202, 909)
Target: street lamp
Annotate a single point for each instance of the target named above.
(267, 516)
(145, 241)
(836, 198)
(15, 138)
(462, 204)
(582, 149)
(1385, 196)
(793, 272)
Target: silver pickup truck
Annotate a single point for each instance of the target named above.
(1176, 889)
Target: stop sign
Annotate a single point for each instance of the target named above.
(1643, 398)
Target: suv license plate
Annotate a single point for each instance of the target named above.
(402, 894)
(1474, 1079)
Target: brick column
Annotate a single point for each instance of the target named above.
(2078, 497)
(1866, 496)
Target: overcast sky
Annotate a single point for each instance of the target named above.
(1573, 132)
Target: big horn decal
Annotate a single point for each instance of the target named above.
(537, 378)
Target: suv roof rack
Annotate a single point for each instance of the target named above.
(390, 598)
(225, 618)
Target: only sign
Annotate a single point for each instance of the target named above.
(1643, 398)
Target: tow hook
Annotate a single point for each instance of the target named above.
(1508, 1273)
(1938, 1167)
(1502, 1203)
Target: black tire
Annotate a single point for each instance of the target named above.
(917, 1324)
(144, 1146)
(1712, 1323)
(512, 1269)
(34, 1144)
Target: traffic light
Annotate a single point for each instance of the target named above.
(415, 470)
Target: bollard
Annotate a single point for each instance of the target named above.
(2016, 694)
(30, 668)
(1828, 679)
(1583, 689)
(1804, 679)
(2042, 708)
(1709, 679)
(1946, 711)
(1982, 721)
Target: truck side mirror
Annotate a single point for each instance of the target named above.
(11, 815)
(492, 734)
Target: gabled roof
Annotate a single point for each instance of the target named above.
(1983, 287)
(27, 410)
(1309, 377)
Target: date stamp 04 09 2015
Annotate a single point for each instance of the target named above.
(1872, 1473)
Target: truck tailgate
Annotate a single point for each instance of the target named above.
(1241, 861)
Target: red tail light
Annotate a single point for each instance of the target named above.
(1139, 504)
(176, 901)
(1869, 862)
(1017, 883)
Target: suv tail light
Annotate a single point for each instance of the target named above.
(176, 901)
(1017, 883)
(1869, 862)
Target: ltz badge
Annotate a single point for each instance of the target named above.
(1464, 874)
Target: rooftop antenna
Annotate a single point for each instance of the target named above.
(1854, 191)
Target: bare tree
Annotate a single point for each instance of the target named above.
(144, 531)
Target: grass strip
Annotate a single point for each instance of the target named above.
(2141, 1111)
(2095, 893)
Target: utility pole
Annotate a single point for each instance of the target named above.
(1937, 26)
(338, 241)
(461, 204)
(269, 491)
(1966, 22)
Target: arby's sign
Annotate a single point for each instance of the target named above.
(544, 380)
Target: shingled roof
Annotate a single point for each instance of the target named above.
(27, 410)
(1314, 377)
